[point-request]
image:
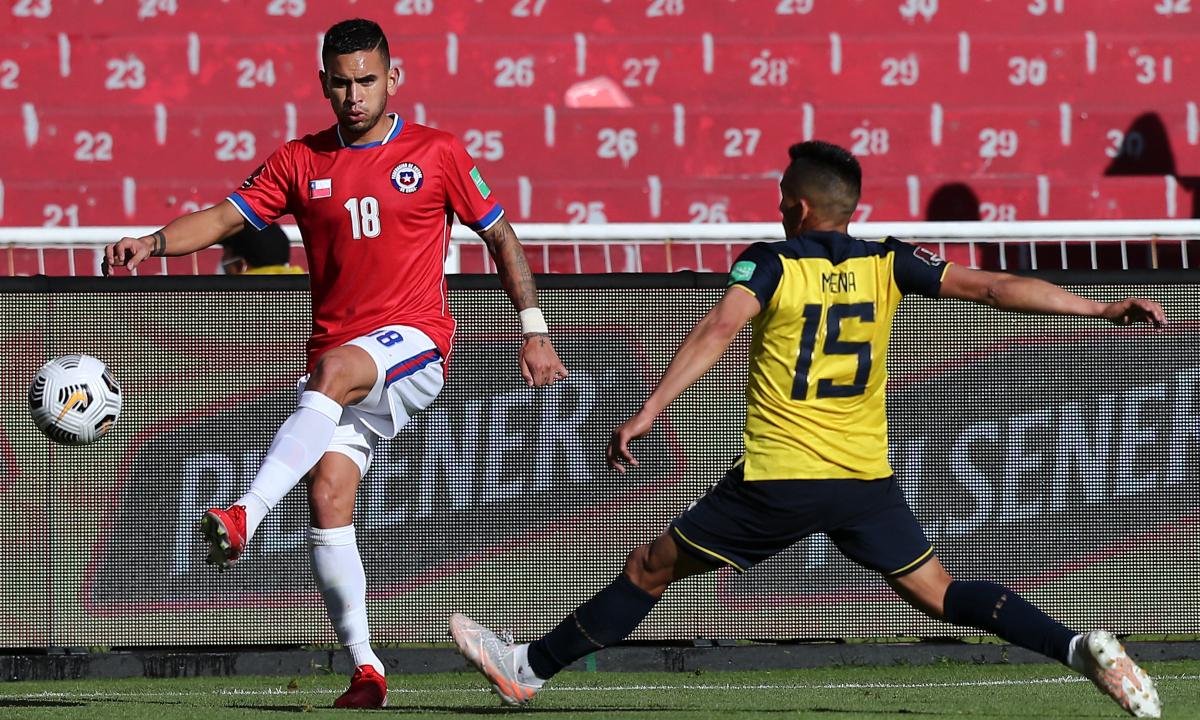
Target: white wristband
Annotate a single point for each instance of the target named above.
(533, 322)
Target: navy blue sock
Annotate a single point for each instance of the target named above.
(1002, 612)
(607, 618)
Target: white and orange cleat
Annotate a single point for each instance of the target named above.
(491, 655)
(225, 533)
(1114, 672)
(368, 689)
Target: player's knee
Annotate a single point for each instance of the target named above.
(641, 569)
(329, 377)
(329, 496)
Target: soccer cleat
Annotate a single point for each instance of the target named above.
(1114, 672)
(368, 689)
(491, 655)
(225, 533)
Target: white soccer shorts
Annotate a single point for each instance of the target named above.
(408, 378)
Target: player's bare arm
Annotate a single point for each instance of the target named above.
(1030, 295)
(539, 361)
(182, 236)
(698, 352)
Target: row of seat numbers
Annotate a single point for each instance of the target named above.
(908, 9)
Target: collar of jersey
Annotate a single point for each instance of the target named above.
(397, 124)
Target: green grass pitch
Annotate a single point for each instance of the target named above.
(937, 691)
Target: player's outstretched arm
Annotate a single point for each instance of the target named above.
(183, 235)
(1030, 295)
(538, 359)
(698, 352)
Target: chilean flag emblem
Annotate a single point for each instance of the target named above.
(322, 188)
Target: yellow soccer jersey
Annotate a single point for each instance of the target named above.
(818, 358)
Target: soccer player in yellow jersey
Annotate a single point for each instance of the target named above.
(821, 303)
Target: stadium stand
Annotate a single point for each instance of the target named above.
(128, 113)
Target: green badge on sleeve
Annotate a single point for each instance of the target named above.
(480, 185)
(741, 272)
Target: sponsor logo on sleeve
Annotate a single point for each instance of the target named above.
(407, 178)
(742, 271)
(249, 182)
(480, 185)
(928, 256)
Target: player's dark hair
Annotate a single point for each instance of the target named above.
(357, 35)
(260, 247)
(827, 176)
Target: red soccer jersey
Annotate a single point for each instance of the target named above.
(376, 220)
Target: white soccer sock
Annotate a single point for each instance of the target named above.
(338, 570)
(299, 444)
(1075, 654)
(525, 673)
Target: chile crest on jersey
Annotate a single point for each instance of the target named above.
(407, 177)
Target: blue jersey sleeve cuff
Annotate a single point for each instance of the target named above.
(487, 221)
(247, 212)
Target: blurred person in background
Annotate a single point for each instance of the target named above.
(258, 252)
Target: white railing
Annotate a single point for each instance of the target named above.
(625, 245)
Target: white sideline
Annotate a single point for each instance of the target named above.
(1063, 680)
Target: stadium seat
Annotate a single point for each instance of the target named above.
(720, 199)
(161, 200)
(1002, 141)
(651, 70)
(1145, 71)
(618, 143)
(241, 70)
(756, 73)
(79, 142)
(1028, 69)
(26, 62)
(1129, 141)
(36, 202)
(715, 94)
(882, 138)
(493, 70)
(1050, 17)
(506, 141)
(222, 143)
(127, 69)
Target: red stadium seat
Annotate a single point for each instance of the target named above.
(80, 142)
(619, 143)
(224, 144)
(505, 142)
(993, 141)
(121, 70)
(26, 61)
(488, 70)
(898, 70)
(1142, 70)
(650, 70)
(883, 138)
(1034, 69)
(161, 201)
(56, 204)
(241, 70)
(720, 200)
(1025, 110)
(758, 73)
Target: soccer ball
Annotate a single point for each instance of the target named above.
(74, 399)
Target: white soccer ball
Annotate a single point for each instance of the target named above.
(74, 399)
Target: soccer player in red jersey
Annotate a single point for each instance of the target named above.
(373, 197)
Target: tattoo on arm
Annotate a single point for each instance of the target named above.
(160, 244)
(515, 276)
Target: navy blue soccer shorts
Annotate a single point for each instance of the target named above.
(741, 523)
